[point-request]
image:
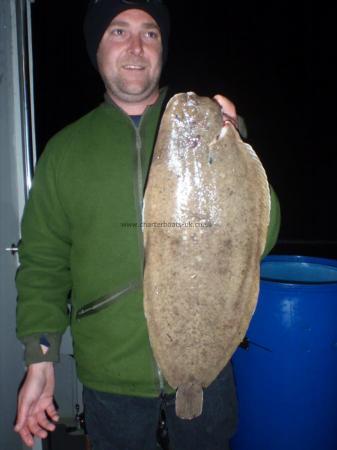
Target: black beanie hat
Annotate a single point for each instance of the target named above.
(101, 12)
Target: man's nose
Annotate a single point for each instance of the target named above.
(136, 44)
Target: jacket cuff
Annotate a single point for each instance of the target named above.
(42, 348)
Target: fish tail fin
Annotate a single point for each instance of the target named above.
(189, 400)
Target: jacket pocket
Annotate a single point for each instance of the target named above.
(106, 300)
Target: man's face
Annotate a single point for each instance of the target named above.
(129, 57)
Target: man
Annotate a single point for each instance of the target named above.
(89, 181)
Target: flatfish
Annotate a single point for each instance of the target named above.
(205, 220)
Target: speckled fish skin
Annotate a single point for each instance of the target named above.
(206, 215)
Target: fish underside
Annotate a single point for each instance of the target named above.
(206, 215)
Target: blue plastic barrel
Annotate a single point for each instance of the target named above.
(287, 377)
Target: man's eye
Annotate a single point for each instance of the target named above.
(117, 32)
(152, 34)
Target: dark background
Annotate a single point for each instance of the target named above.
(275, 62)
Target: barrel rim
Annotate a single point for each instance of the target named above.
(299, 258)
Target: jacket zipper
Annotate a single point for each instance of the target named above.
(105, 300)
(161, 379)
(140, 189)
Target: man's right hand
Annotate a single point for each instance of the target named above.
(36, 411)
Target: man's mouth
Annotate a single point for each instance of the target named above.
(133, 67)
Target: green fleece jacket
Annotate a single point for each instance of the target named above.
(79, 264)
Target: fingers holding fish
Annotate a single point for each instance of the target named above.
(228, 109)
